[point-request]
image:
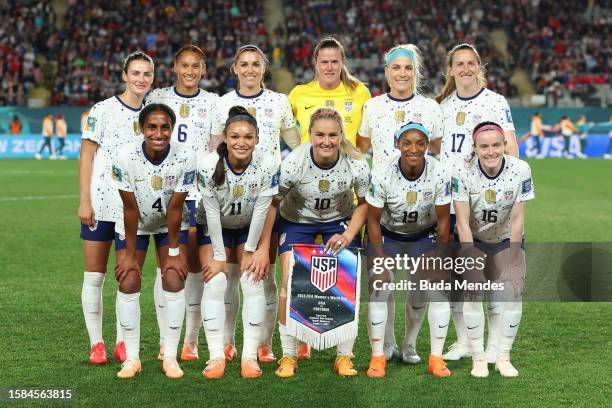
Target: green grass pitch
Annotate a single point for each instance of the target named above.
(562, 350)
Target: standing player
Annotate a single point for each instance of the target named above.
(535, 137)
(110, 124)
(47, 132)
(489, 195)
(274, 120)
(408, 202)
(153, 178)
(381, 115)
(332, 87)
(237, 184)
(567, 130)
(318, 180)
(61, 129)
(194, 108)
(465, 102)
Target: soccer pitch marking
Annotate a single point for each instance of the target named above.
(56, 197)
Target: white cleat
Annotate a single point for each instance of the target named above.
(409, 354)
(457, 351)
(581, 155)
(391, 351)
(38, 156)
(505, 367)
(491, 354)
(607, 156)
(479, 368)
(53, 157)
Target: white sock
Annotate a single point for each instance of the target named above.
(91, 299)
(128, 308)
(377, 318)
(494, 321)
(118, 330)
(459, 322)
(288, 342)
(175, 312)
(253, 316)
(232, 303)
(160, 304)
(194, 288)
(474, 323)
(271, 294)
(390, 322)
(213, 314)
(416, 305)
(438, 316)
(510, 320)
(345, 348)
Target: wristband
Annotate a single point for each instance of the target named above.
(173, 251)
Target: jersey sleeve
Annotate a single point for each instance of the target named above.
(94, 126)
(289, 173)
(152, 97)
(443, 187)
(287, 119)
(437, 128)
(377, 194)
(362, 178)
(218, 121)
(364, 128)
(187, 177)
(293, 101)
(120, 172)
(526, 191)
(205, 181)
(459, 188)
(270, 177)
(506, 115)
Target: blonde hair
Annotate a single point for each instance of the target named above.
(418, 72)
(346, 78)
(449, 85)
(346, 147)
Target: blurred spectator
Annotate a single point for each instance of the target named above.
(15, 126)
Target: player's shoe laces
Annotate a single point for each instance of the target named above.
(172, 368)
(479, 368)
(409, 354)
(160, 356)
(287, 366)
(491, 354)
(129, 369)
(391, 351)
(214, 368)
(378, 364)
(190, 352)
(265, 354)
(344, 366)
(505, 367)
(250, 369)
(230, 352)
(119, 351)
(437, 367)
(457, 351)
(303, 351)
(97, 355)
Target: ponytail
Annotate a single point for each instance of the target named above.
(219, 174)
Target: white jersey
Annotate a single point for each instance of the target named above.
(111, 124)
(238, 194)
(154, 184)
(491, 198)
(194, 115)
(272, 111)
(460, 117)
(409, 205)
(384, 115)
(310, 194)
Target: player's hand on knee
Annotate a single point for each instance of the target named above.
(258, 264)
(178, 264)
(213, 268)
(125, 266)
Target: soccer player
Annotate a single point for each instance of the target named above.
(237, 183)
(61, 129)
(383, 115)
(274, 120)
(153, 178)
(408, 202)
(110, 124)
(608, 153)
(568, 130)
(47, 132)
(490, 196)
(536, 136)
(318, 180)
(465, 102)
(194, 109)
(333, 86)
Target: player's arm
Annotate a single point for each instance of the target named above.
(374, 214)
(266, 233)
(130, 222)
(291, 137)
(462, 211)
(443, 219)
(340, 241)
(517, 219)
(86, 212)
(174, 217)
(435, 146)
(256, 260)
(363, 143)
(213, 219)
(511, 145)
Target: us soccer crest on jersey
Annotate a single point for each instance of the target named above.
(492, 198)
(384, 115)
(154, 184)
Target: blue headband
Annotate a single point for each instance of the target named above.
(398, 52)
(411, 125)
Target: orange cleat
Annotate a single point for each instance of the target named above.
(190, 352)
(129, 369)
(250, 369)
(378, 364)
(160, 356)
(230, 352)
(97, 355)
(437, 367)
(287, 366)
(172, 368)
(303, 351)
(344, 366)
(265, 354)
(214, 369)
(119, 351)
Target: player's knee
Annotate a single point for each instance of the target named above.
(131, 282)
(172, 282)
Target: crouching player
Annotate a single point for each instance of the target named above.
(408, 205)
(237, 184)
(489, 195)
(153, 178)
